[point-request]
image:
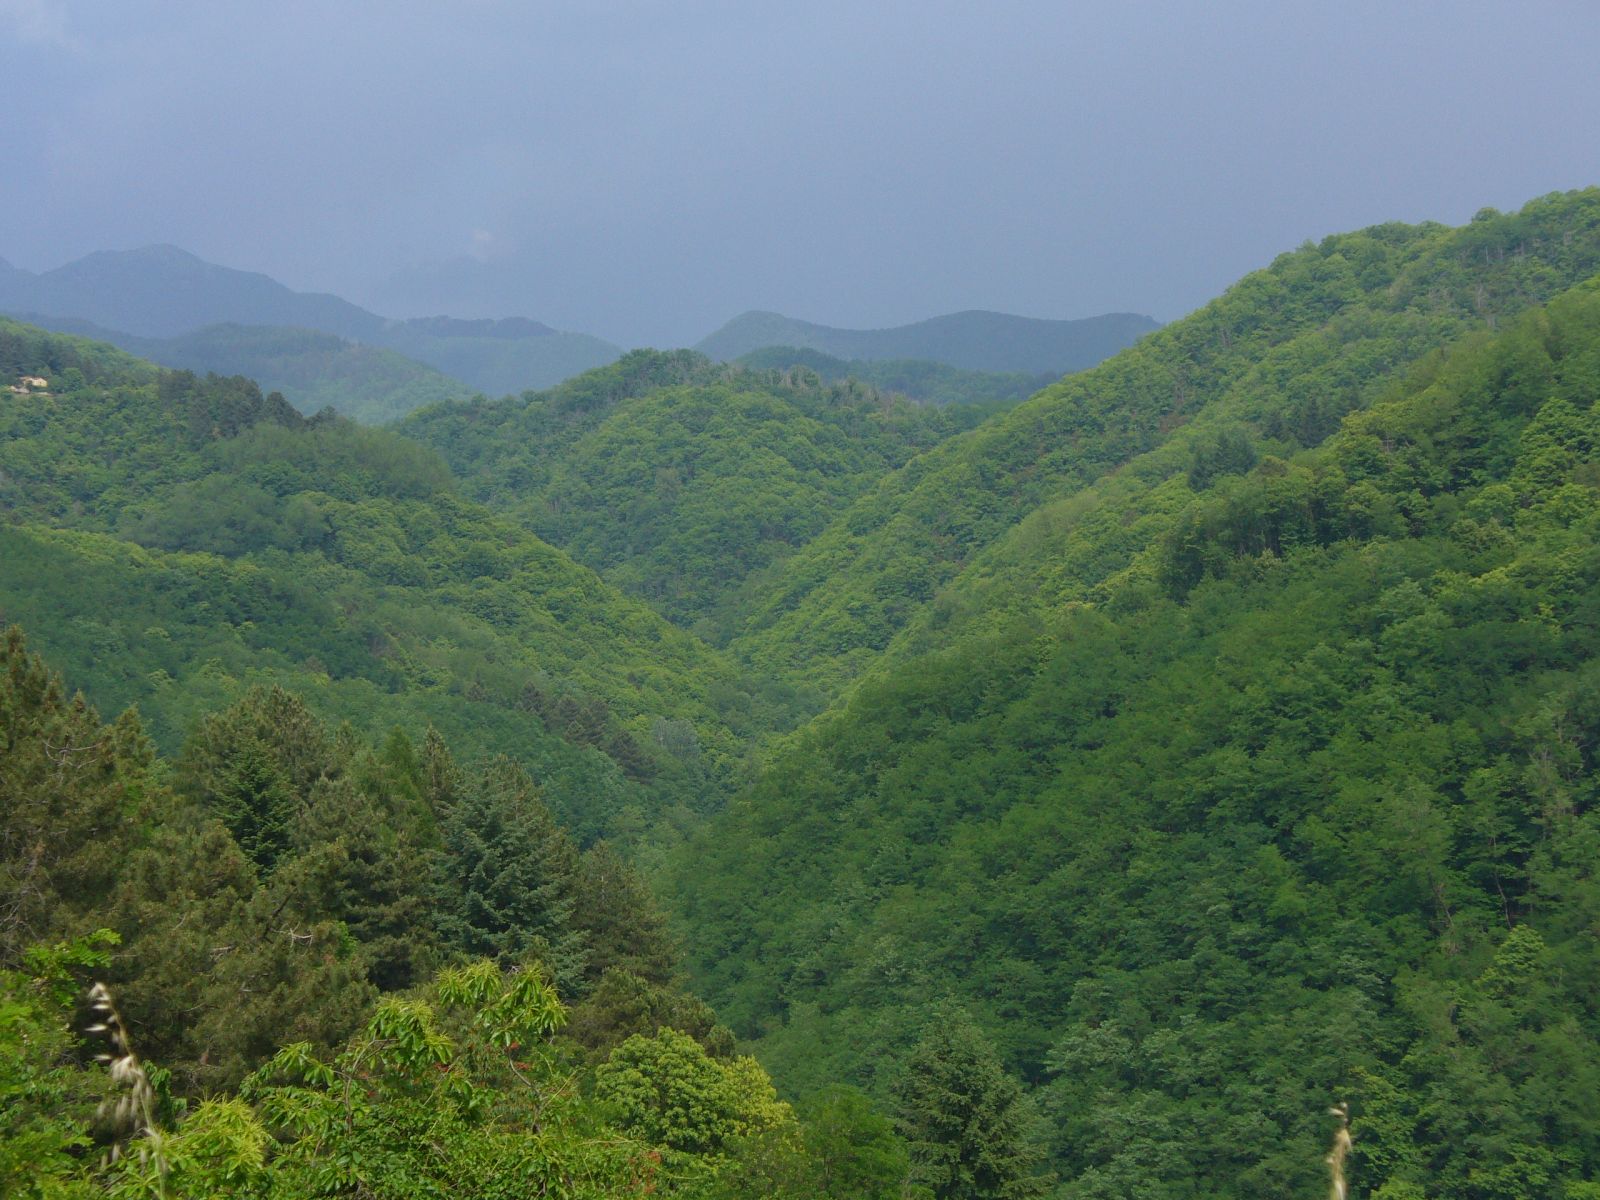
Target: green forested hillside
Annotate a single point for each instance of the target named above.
(680, 479)
(917, 379)
(1318, 333)
(313, 370)
(1295, 801)
(174, 540)
(1208, 740)
(973, 340)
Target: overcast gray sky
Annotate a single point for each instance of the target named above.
(645, 170)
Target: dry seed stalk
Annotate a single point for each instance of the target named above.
(132, 1113)
(1341, 1147)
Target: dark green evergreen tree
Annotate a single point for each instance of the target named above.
(625, 927)
(968, 1128)
(439, 778)
(359, 864)
(253, 766)
(507, 876)
(217, 970)
(70, 789)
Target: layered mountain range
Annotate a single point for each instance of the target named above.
(171, 307)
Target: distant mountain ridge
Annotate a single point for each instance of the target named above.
(974, 340)
(312, 370)
(163, 291)
(915, 378)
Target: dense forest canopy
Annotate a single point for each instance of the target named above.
(1289, 793)
(175, 540)
(917, 379)
(740, 780)
(1294, 347)
(681, 480)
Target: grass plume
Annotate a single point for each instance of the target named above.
(1339, 1190)
(129, 1110)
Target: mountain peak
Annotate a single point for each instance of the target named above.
(157, 254)
(164, 252)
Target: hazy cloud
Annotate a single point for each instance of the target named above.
(645, 170)
(37, 22)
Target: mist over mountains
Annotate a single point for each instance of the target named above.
(974, 340)
(166, 292)
(163, 291)
(174, 308)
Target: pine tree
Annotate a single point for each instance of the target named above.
(440, 779)
(359, 864)
(70, 788)
(507, 876)
(253, 766)
(626, 929)
(968, 1128)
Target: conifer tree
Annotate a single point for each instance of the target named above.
(359, 864)
(507, 876)
(626, 929)
(440, 780)
(965, 1121)
(253, 766)
(69, 787)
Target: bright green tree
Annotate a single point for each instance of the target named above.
(851, 1147)
(670, 1092)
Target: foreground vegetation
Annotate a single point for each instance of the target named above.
(325, 967)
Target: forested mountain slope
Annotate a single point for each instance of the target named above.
(1316, 334)
(312, 370)
(174, 539)
(165, 292)
(918, 379)
(680, 479)
(1211, 738)
(974, 340)
(1298, 802)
